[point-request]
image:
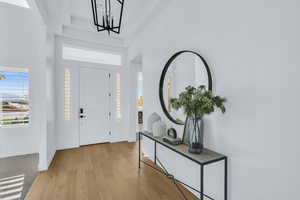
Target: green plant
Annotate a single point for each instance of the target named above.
(197, 102)
(4, 103)
(2, 77)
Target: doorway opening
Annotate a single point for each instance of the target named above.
(137, 100)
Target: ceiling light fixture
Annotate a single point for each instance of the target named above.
(107, 15)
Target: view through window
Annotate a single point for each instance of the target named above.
(14, 96)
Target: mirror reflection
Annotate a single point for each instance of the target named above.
(187, 69)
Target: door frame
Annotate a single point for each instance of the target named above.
(68, 131)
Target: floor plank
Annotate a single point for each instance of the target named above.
(102, 172)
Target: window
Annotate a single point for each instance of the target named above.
(70, 53)
(21, 3)
(14, 96)
(118, 96)
(67, 94)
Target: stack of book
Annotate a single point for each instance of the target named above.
(172, 141)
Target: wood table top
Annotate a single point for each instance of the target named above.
(207, 156)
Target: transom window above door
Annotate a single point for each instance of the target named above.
(91, 56)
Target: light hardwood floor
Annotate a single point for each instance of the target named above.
(104, 172)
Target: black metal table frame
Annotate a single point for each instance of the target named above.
(201, 192)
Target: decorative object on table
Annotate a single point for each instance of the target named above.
(182, 69)
(154, 117)
(140, 101)
(196, 102)
(172, 133)
(140, 117)
(196, 128)
(159, 129)
(172, 141)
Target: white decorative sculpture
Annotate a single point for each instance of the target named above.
(159, 129)
(154, 117)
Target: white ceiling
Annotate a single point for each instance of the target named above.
(134, 11)
(77, 15)
(22, 3)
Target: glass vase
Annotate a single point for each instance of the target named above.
(194, 133)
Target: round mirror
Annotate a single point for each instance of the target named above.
(185, 68)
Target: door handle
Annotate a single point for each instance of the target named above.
(81, 116)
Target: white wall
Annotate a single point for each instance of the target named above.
(22, 43)
(50, 96)
(135, 68)
(68, 131)
(252, 48)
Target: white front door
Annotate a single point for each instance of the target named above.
(94, 106)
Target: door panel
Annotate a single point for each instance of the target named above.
(94, 103)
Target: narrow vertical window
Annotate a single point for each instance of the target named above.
(67, 94)
(118, 96)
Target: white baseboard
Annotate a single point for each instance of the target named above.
(118, 140)
(131, 140)
(51, 159)
(66, 147)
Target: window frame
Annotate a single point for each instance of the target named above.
(24, 70)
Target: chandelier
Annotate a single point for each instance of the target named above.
(107, 15)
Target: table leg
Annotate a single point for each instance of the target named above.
(202, 183)
(225, 178)
(155, 152)
(139, 150)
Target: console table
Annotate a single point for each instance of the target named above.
(205, 158)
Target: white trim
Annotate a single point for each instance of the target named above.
(13, 69)
(91, 37)
(50, 159)
(20, 3)
(91, 55)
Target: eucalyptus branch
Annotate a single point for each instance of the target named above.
(198, 102)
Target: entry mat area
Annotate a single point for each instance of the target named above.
(11, 187)
(17, 175)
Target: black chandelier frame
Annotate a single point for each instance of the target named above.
(106, 24)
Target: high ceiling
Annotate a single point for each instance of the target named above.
(76, 15)
(133, 11)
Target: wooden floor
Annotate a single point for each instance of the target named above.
(105, 172)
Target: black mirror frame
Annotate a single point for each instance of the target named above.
(163, 75)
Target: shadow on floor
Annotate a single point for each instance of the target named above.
(18, 165)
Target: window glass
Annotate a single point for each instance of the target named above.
(14, 97)
(118, 96)
(83, 55)
(67, 91)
